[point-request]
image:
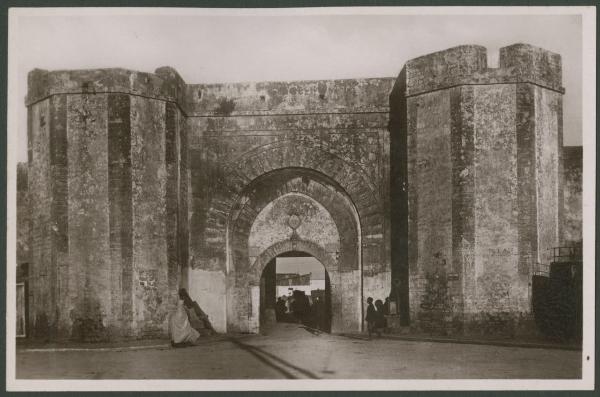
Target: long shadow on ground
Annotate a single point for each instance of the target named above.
(283, 367)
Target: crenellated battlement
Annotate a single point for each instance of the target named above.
(533, 64)
(467, 65)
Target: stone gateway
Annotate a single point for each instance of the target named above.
(441, 187)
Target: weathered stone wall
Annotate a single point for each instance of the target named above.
(105, 150)
(87, 293)
(241, 132)
(140, 184)
(483, 169)
(429, 194)
(41, 226)
(572, 220)
(23, 215)
(23, 224)
(549, 170)
(493, 287)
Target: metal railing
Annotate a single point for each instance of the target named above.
(562, 254)
(567, 254)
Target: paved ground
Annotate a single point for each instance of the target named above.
(290, 351)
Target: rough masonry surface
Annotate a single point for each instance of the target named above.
(440, 187)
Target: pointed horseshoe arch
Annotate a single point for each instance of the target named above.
(305, 246)
(266, 173)
(238, 177)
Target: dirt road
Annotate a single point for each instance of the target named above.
(292, 352)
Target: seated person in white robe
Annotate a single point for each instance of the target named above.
(198, 319)
(180, 330)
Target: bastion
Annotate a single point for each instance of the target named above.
(483, 168)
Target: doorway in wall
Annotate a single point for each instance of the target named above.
(295, 288)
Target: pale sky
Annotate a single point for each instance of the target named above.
(301, 265)
(209, 49)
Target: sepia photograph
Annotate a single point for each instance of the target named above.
(358, 198)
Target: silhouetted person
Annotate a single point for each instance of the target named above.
(318, 313)
(280, 309)
(307, 309)
(371, 316)
(290, 307)
(300, 306)
(386, 306)
(379, 317)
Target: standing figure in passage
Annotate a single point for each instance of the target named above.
(380, 323)
(386, 306)
(280, 309)
(371, 316)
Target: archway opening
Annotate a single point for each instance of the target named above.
(296, 209)
(295, 288)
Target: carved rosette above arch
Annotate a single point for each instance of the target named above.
(293, 216)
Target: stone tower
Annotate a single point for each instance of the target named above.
(105, 166)
(483, 194)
